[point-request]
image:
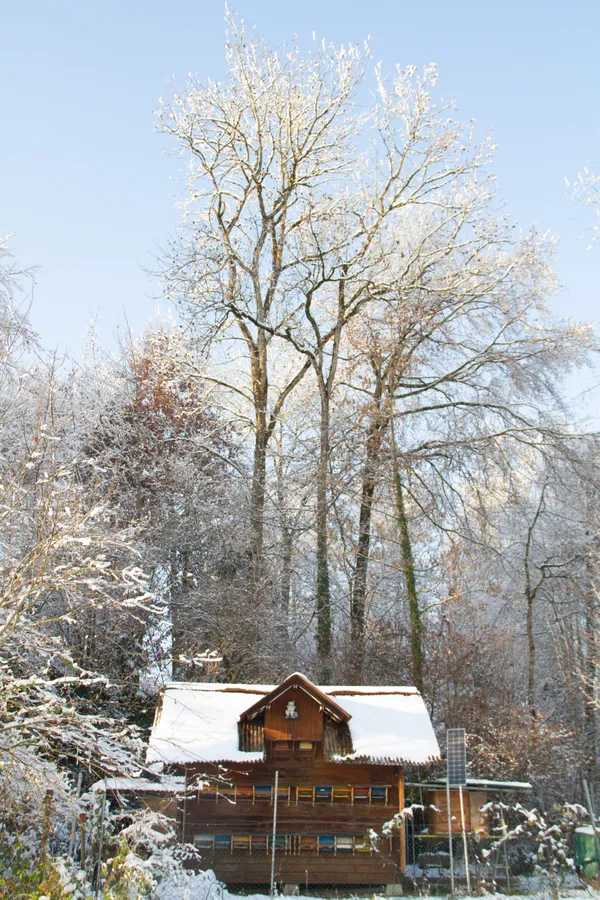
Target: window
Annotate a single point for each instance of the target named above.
(309, 843)
(343, 844)
(241, 843)
(203, 841)
(305, 750)
(326, 843)
(259, 843)
(362, 845)
(305, 794)
(283, 794)
(379, 795)
(281, 843)
(207, 792)
(262, 792)
(226, 792)
(323, 794)
(282, 750)
(244, 792)
(223, 843)
(361, 794)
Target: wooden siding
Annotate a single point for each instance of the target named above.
(246, 817)
(300, 817)
(295, 772)
(305, 869)
(475, 820)
(307, 727)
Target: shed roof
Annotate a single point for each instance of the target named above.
(199, 723)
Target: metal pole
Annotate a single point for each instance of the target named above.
(450, 835)
(506, 867)
(184, 807)
(464, 831)
(275, 798)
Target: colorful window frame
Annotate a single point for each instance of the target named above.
(263, 792)
(244, 792)
(294, 844)
(222, 843)
(204, 841)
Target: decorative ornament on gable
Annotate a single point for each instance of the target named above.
(290, 711)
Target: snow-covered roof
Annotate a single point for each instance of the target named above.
(194, 723)
(389, 727)
(486, 783)
(199, 723)
(167, 784)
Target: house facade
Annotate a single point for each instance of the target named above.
(308, 773)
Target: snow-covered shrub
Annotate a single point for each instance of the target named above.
(149, 860)
(547, 837)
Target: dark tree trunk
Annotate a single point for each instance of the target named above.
(286, 570)
(323, 589)
(361, 565)
(408, 565)
(182, 634)
(260, 390)
(590, 727)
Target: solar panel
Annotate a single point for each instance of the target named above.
(456, 757)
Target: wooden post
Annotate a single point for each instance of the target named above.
(464, 831)
(46, 823)
(82, 818)
(74, 821)
(100, 845)
(403, 828)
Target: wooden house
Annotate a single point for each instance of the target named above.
(305, 771)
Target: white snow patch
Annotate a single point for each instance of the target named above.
(168, 784)
(199, 722)
(196, 725)
(390, 726)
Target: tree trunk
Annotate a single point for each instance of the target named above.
(589, 687)
(530, 595)
(408, 566)
(529, 598)
(361, 565)
(286, 570)
(181, 625)
(260, 391)
(323, 591)
(259, 474)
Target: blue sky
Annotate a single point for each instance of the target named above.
(88, 190)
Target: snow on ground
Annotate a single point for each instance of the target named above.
(204, 886)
